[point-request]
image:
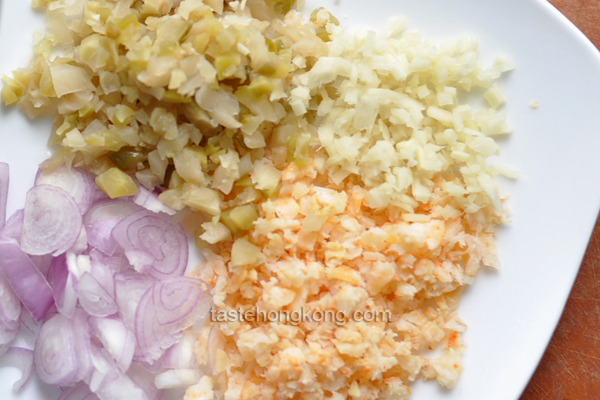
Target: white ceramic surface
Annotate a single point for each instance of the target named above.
(512, 312)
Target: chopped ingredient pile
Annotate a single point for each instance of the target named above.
(317, 169)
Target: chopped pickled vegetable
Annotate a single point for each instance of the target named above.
(245, 253)
(243, 217)
(116, 183)
(127, 160)
(201, 199)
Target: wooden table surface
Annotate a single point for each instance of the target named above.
(570, 368)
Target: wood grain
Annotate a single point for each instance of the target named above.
(570, 368)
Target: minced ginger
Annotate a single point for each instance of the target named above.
(321, 170)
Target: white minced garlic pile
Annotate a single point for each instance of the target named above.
(320, 171)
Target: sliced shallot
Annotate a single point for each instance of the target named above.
(63, 286)
(43, 263)
(14, 226)
(55, 357)
(81, 391)
(30, 327)
(177, 378)
(120, 386)
(181, 355)
(101, 270)
(21, 359)
(215, 342)
(145, 380)
(129, 289)
(10, 312)
(100, 220)
(4, 178)
(153, 244)
(116, 338)
(115, 279)
(76, 182)
(26, 280)
(150, 202)
(51, 223)
(109, 383)
(96, 300)
(82, 335)
(165, 310)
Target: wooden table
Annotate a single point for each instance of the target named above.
(570, 369)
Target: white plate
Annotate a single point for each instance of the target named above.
(511, 313)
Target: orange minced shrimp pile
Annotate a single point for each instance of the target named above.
(321, 249)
